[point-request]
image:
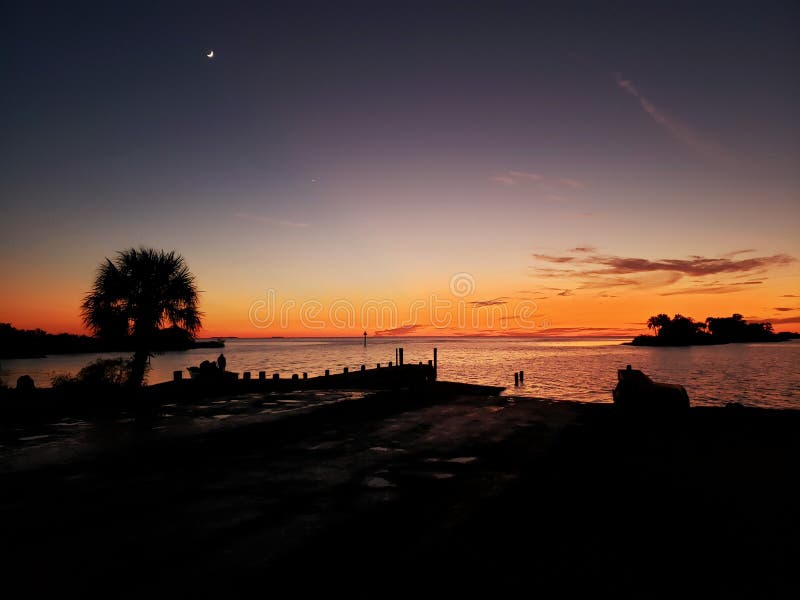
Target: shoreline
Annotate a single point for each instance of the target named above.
(365, 493)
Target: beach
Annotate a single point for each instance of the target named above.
(399, 494)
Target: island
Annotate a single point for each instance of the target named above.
(685, 331)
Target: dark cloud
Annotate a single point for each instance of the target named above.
(554, 259)
(783, 309)
(778, 321)
(593, 330)
(584, 249)
(715, 288)
(492, 302)
(598, 271)
(737, 252)
(694, 266)
(404, 330)
(790, 296)
(566, 293)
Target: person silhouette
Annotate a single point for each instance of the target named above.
(221, 362)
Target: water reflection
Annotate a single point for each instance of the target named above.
(581, 369)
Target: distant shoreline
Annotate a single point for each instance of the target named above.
(655, 341)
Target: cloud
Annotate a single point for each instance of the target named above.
(695, 266)
(592, 270)
(712, 289)
(783, 309)
(781, 320)
(548, 184)
(269, 220)
(404, 330)
(675, 127)
(492, 302)
(584, 249)
(597, 331)
(790, 296)
(515, 177)
(566, 293)
(737, 252)
(554, 259)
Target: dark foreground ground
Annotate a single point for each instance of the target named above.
(397, 496)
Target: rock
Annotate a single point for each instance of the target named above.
(635, 391)
(25, 383)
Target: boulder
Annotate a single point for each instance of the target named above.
(635, 391)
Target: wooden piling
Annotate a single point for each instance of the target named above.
(346, 370)
(430, 363)
(262, 375)
(177, 375)
(390, 363)
(516, 379)
(363, 367)
(435, 361)
(246, 375)
(295, 377)
(400, 357)
(276, 376)
(327, 372)
(377, 365)
(521, 377)
(305, 375)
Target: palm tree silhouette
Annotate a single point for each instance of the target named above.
(658, 321)
(137, 293)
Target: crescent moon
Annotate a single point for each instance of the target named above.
(210, 54)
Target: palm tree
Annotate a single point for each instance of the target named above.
(137, 293)
(658, 321)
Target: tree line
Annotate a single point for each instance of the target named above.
(680, 330)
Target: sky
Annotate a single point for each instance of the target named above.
(423, 168)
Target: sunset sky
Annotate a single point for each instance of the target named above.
(523, 167)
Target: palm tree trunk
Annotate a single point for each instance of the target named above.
(138, 368)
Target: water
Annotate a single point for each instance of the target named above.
(583, 369)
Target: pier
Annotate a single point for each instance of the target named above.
(384, 376)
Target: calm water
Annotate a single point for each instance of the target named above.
(581, 369)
